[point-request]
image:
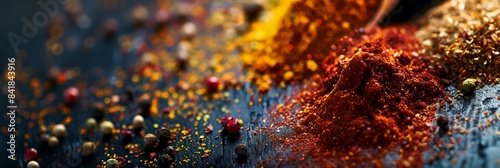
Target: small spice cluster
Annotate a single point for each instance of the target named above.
(376, 94)
(462, 36)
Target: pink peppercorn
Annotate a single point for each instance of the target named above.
(212, 84)
(226, 120)
(233, 126)
(31, 154)
(71, 95)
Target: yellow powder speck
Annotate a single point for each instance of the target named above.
(311, 65)
(288, 75)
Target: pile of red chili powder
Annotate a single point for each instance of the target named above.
(375, 95)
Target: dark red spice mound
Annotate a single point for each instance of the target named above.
(376, 94)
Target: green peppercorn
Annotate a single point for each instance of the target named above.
(91, 124)
(112, 163)
(469, 85)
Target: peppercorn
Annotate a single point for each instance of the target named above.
(110, 27)
(33, 164)
(182, 55)
(115, 99)
(91, 124)
(189, 30)
(53, 142)
(138, 121)
(121, 161)
(139, 15)
(53, 77)
(127, 133)
(443, 122)
(252, 11)
(112, 163)
(107, 127)
(88, 148)
(166, 160)
(167, 110)
(234, 126)
(469, 85)
(145, 106)
(241, 150)
(45, 137)
(182, 16)
(60, 130)
(99, 111)
(163, 135)
(31, 154)
(43, 129)
(212, 84)
(225, 120)
(129, 94)
(161, 19)
(71, 95)
(150, 141)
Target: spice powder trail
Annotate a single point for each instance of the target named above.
(376, 94)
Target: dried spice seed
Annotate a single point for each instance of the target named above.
(226, 120)
(212, 84)
(163, 135)
(60, 131)
(469, 85)
(91, 124)
(443, 122)
(145, 106)
(53, 142)
(241, 150)
(99, 111)
(127, 133)
(88, 148)
(234, 126)
(71, 95)
(31, 154)
(107, 127)
(129, 94)
(138, 121)
(252, 11)
(32, 164)
(112, 163)
(110, 27)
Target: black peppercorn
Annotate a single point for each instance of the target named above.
(163, 135)
(145, 106)
(166, 160)
(252, 11)
(241, 150)
(129, 94)
(443, 122)
(150, 141)
(99, 111)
